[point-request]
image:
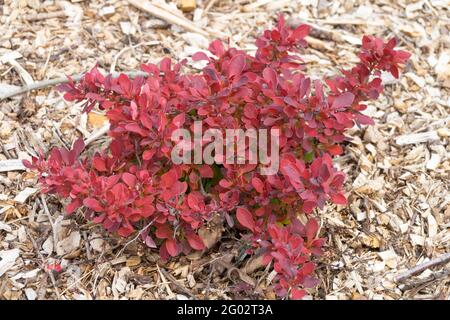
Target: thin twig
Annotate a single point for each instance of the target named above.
(135, 237)
(116, 58)
(45, 16)
(172, 18)
(97, 134)
(49, 272)
(419, 282)
(166, 284)
(442, 259)
(51, 82)
(177, 284)
(60, 137)
(50, 219)
(209, 6)
(208, 283)
(86, 245)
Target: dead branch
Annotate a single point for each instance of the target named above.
(171, 18)
(52, 82)
(442, 259)
(176, 283)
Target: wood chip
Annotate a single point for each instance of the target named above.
(11, 165)
(188, 5)
(417, 138)
(7, 259)
(147, 6)
(25, 194)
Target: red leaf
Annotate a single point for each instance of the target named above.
(362, 119)
(237, 65)
(335, 150)
(134, 127)
(129, 179)
(200, 56)
(93, 204)
(206, 171)
(125, 83)
(27, 164)
(172, 247)
(308, 268)
(72, 206)
(168, 178)
(301, 32)
(297, 294)
(195, 241)
(344, 100)
(195, 200)
(308, 206)
(125, 231)
(311, 229)
(99, 164)
(258, 184)
(270, 76)
(78, 147)
(165, 64)
(245, 218)
(150, 242)
(178, 121)
(54, 267)
(292, 172)
(163, 232)
(148, 154)
(339, 198)
(216, 47)
(394, 71)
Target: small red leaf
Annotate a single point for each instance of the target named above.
(150, 242)
(335, 150)
(148, 154)
(27, 164)
(129, 179)
(206, 171)
(195, 241)
(195, 200)
(78, 147)
(301, 32)
(311, 229)
(93, 204)
(172, 247)
(344, 100)
(199, 56)
(339, 198)
(245, 218)
(99, 164)
(363, 119)
(74, 205)
(125, 231)
(258, 184)
(297, 294)
(237, 65)
(54, 267)
(178, 121)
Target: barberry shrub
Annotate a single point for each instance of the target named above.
(132, 185)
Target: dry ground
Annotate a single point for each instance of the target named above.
(398, 170)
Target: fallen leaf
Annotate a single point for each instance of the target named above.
(69, 244)
(133, 261)
(25, 194)
(8, 258)
(96, 120)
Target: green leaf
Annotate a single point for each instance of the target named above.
(309, 156)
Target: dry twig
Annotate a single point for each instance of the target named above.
(52, 82)
(442, 259)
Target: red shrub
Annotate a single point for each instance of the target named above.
(134, 185)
